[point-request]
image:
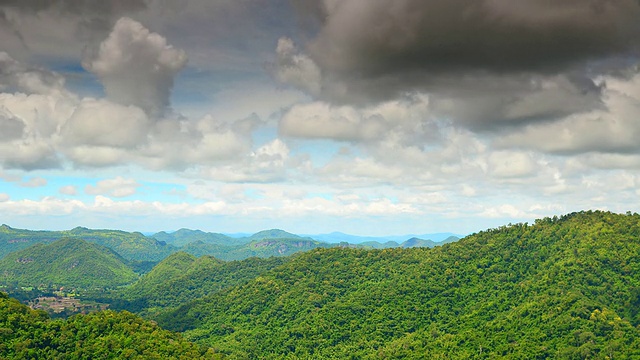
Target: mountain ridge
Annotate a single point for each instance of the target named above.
(566, 287)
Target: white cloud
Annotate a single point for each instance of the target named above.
(406, 120)
(34, 182)
(103, 123)
(508, 164)
(71, 190)
(137, 67)
(4, 197)
(116, 187)
(268, 163)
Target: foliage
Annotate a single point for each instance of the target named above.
(257, 248)
(564, 287)
(182, 277)
(70, 263)
(29, 334)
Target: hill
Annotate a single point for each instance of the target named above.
(71, 263)
(274, 234)
(182, 277)
(29, 334)
(564, 287)
(416, 242)
(131, 246)
(185, 236)
(264, 248)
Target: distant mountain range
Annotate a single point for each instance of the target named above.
(132, 246)
(184, 236)
(141, 252)
(337, 237)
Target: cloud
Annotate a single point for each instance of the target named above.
(137, 67)
(407, 120)
(34, 182)
(4, 197)
(269, 163)
(613, 129)
(43, 125)
(58, 29)
(116, 187)
(485, 65)
(505, 164)
(15, 75)
(295, 68)
(375, 38)
(490, 103)
(29, 155)
(71, 190)
(103, 123)
(11, 128)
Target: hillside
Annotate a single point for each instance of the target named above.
(565, 287)
(131, 246)
(29, 334)
(71, 263)
(182, 277)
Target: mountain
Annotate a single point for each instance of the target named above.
(338, 237)
(131, 246)
(30, 334)
(565, 287)
(273, 234)
(71, 263)
(377, 245)
(416, 242)
(185, 236)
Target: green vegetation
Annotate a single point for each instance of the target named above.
(69, 263)
(185, 236)
(29, 334)
(257, 248)
(182, 277)
(565, 287)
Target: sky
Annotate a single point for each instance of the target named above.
(368, 117)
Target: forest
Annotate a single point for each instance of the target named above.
(564, 287)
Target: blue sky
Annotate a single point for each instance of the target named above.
(365, 117)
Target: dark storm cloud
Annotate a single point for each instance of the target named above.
(89, 7)
(377, 38)
(485, 64)
(95, 17)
